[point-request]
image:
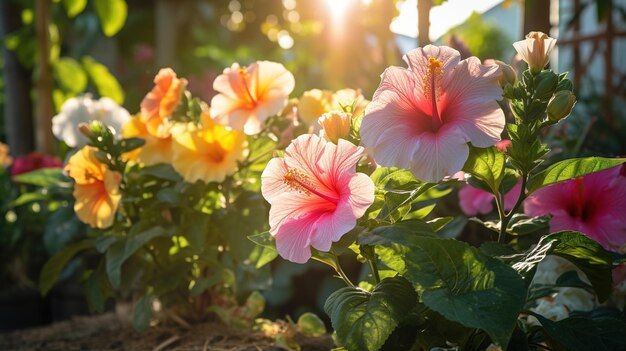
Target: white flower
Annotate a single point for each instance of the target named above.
(84, 109)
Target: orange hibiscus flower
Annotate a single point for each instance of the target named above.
(159, 104)
(96, 188)
(155, 150)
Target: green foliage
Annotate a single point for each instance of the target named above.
(364, 321)
(143, 313)
(74, 7)
(460, 283)
(571, 168)
(486, 164)
(103, 80)
(52, 269)
(581, 334)
(70, 75)
(482, 38)
(309, 324)
(112, 15)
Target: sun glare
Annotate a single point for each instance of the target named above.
(338, 8)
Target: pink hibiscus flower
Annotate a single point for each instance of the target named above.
(593, 205)
(474, 201)
(315, 194)
(249, 95)
(422, 118)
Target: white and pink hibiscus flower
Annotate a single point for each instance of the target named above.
(315, 194)
(422, 118)
(593, 205)
(249, 95)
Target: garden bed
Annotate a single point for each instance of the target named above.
(109, 332)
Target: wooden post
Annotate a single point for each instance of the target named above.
(43, 85)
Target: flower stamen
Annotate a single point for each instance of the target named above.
(431, 85)
(243, 73)
(298, 181)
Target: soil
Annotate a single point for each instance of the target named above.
(108, 332)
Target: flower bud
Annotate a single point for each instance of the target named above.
(508, 75)
(545, 85)
(561, 105)
(535, 50)
(85, 130)
(335, 125)
(565, 84)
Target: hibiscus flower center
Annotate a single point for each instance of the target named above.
(298, 181)
(244, 75)
(580, 207)
(431, 86)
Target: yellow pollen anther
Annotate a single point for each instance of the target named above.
(244, 74)
(432, 79)
(298, 181)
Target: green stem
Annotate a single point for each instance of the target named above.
(505, 218)
(374, 268)
(342, 274)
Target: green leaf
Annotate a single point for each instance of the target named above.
(53, 268)
(112, 15)
(589, 256)
(402, 233)
(119, 251)
(27, 198)
(364, 321)
(392, 178)
(103, 80)
(70, 75)
(61, 228)
(583, 334)
(43, 177)
(74, 7)
(486, 164)
(572, 168)
(310, 325)
(143, 313)
(264, 239)
(461, 283)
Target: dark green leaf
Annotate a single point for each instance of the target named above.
(112, 15)
(364, 321)
(571, 168)
(462, 284)
(62, 226)
(587, 255)
(51, 270)
(143, 313)
(584, 334)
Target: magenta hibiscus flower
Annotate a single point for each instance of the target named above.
(422, 118)
(315, 194)
(593, 205)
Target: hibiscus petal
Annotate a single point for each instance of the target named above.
(418, 59)
(331, 226)
(271, 79)
(273, 179)
(295, 204)
(470, 100)
(307, 153)
(293, 239)
(440, 154)
(361, 194)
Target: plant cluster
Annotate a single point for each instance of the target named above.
(171, 194)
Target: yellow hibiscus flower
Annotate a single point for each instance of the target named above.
(155, 150)
(208, 152)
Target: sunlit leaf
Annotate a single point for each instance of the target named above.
(103, 80)
(74, 7)
(112, 15)
(571, 168)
